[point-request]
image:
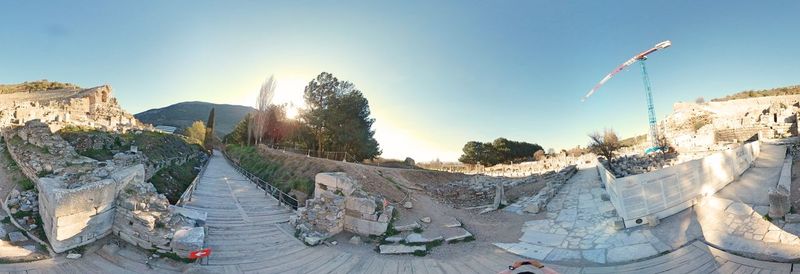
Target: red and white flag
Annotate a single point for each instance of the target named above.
(200, 253)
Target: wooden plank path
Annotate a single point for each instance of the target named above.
(245, 234)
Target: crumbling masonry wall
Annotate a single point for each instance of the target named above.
(339, 205)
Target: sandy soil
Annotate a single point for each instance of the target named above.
(400, 185)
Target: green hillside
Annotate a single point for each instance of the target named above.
(181, 115)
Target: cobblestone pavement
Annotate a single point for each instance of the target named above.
(246, 239)
(578, 226)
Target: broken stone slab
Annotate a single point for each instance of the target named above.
(198, 216)
(188, 238)
(16, 237)
(532, 208)
(408, 227)
(313, 240)
(394, 239)
(456, 234)
(451, 222)
(73, 256)
(416, 238)
(408, 205)
(400, 249)
(356, 240)
(792, 218)
(425, 219)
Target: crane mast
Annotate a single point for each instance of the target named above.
(651, 113)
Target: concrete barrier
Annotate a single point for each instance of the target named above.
(667, 191)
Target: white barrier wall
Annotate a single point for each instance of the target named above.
(667, 191)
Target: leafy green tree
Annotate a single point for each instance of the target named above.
(501, 150)
(239, 134)
(337, 115)
(196, 132)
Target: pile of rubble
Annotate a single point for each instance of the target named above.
(340, 205)
(23, 201)
(638, 164)
(146, 218)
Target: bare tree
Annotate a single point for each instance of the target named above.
(604, 144)
(263, 103)
(700, 100)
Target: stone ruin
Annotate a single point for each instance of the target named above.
(480, 190)
(340, 205)
(704, 126)
(81, 200)
(93, 107)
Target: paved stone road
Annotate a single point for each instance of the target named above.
(246, 238)
(577, 228)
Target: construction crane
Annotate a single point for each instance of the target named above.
(651, 113)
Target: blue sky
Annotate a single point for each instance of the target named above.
(436, 74)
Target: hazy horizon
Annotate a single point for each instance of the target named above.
(436, 74)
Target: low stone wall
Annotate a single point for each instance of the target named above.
(667, 191)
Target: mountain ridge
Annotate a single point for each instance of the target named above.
(182, 114)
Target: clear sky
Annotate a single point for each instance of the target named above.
(436, 74)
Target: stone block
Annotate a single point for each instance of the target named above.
(417, 238)
(188, 238)
(400, 249)
(334, 181)
(793, 218)
(652, 220)
(16, 237)
(199, 217)
(408, 227)
(360, 205)
(364, 227)
(778, 202)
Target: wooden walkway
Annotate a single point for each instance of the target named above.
(245, 236)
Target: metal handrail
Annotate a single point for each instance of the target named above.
(282, 197)
(187, 195)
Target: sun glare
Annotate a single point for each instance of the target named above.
(289, 91)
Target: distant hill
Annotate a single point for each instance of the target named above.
(35, 86)
(790, 90)
(181, 115)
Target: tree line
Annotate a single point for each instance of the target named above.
(501, 150)
(336, 118)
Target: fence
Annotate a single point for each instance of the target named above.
(282, 197)
(667, 191)
(330, 155)
(187, 195)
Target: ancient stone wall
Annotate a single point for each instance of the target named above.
(76, 216)
(694, 126)
(93, 107)
(339, 205)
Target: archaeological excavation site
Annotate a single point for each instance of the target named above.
(415, 137)
(88, 186)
